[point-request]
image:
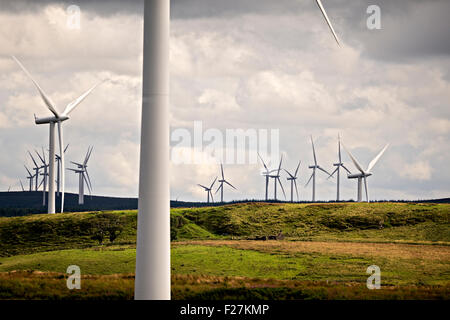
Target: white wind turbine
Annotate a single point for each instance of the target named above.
(363, 174)
(338, 165)
(293, 179)
(313, 175)
(152, 279)
(276, 178)
(30, 177)
(83, 176)
(36, 172)
(266, 173)
(57, 118)
(45, 174)
(208, 190)
(222, 181)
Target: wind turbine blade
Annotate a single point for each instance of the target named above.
(48, 102)
(322, 169)
(281, 185)
(314, 151)
(375, 160)
(42, 181)
(296, 190)
(289, 173)
(212, 198)
(230, 185)
(221, 168)
(206, 188)
(213, 183)
(332, 173)
(90, 152)
(346, 169)
(27, 170)
(87, 183)
(355, 162)
(339, 148)
(367, 189)
(279, 167)
(62, 177)
(220, 186)
(65, 149)
(23, 189)
(42, 160)
(71, 106)
(35, 164)
(296, 170)
(89, 178)
(309, 180)
(267, 169)
(319, 3)
(76, 163)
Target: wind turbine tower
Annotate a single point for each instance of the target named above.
(276, 178)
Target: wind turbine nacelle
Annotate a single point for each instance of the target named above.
(49, 119)
(358, 175)
(312, 167)
(337, 164)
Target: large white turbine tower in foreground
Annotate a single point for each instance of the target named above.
(57, 118)
(152, 279)
(363, 174)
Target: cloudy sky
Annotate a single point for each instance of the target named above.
(238, 64)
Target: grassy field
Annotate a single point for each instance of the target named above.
(325, 253)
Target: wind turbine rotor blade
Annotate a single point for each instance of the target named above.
(296, 170)
(23, 189)
(87, 183)
(367, 189)
(206, 188)
(48, 102)
(27, 170)
(339, 148)
(355, 162)
(281, 185)
(314, 151)
(267, 169)
(289, 173)
(230, 185)
(319, 3)
(32, 159)
(212, 198)
(375, 160)
(65, 149)
(89, 178)
(332, 173)
(60, 136)
(221, 168)
(279, 167)
(42, 160)
(346, 169)
(309, 180)
(71, 106)
(322, 169)
(296, 190)
(76, 163)
(220, 186)
(213, 183)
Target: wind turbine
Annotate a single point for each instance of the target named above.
(222, 181)
(58, 166)
(45, 174)
(30, 177)
(58, 119)
(338, 165)
(152, 279)
(83, 176)
(363, 174)
(36, 172)
(21, 184)
(266, 174)
(208, 190)
(293, 179)
(276, 178)
(313, 175)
